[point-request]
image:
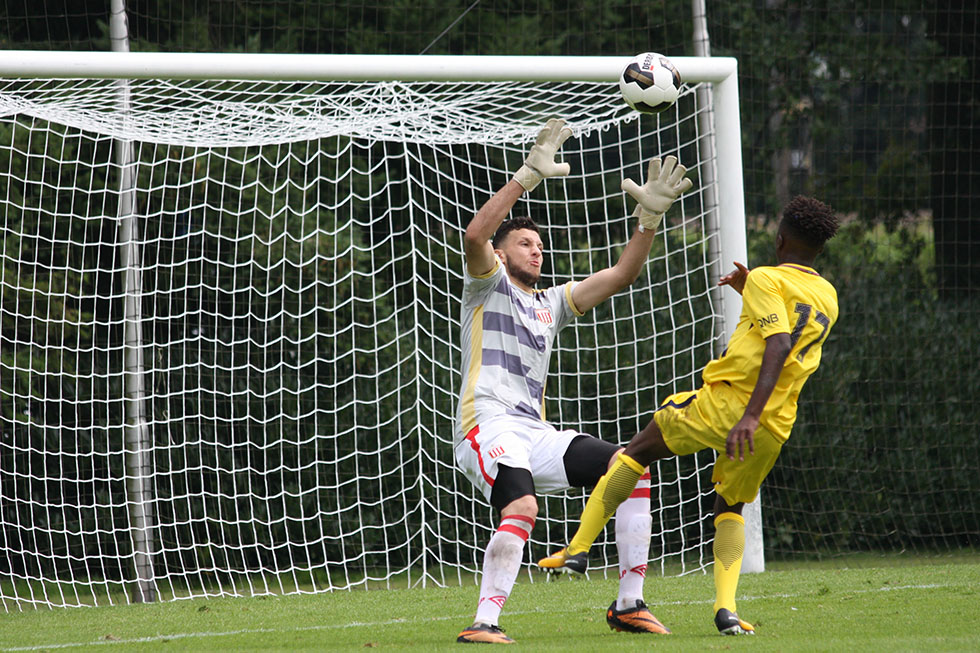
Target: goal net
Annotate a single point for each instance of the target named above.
(230, 311)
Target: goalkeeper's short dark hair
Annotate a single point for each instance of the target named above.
(810, 221)
(513, 224)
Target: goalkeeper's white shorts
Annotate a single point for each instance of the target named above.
(519, 442)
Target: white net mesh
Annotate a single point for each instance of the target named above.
(246, 113)
(295, 285)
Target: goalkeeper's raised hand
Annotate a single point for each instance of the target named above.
(540, 161)
(665, 183)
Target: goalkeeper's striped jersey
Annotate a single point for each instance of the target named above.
(507, 337)
(791, 299)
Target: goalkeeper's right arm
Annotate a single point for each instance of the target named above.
(540, 163)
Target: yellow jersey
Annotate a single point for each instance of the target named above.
(791, 299)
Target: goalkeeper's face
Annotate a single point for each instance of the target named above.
(522, 253)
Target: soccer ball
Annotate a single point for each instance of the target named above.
(650, 83)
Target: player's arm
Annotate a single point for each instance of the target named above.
(540, 163)
(735, 278)
(741, 437)
(665, 183)
(476, 241)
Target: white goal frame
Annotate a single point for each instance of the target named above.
(721, 72)
(724, 204)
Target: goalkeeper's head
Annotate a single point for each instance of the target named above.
(806, 225)
(519, 246)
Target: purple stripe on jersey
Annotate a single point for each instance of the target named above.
(511, 363)
(502, 359)
(504, 286)
(535, 388)
(517, 298)
(506, 324)
(523, 410)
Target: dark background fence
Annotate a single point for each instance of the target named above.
(872, 107)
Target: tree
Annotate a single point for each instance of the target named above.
(832, 103)
(954, 135)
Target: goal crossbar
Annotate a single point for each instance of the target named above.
(338, 67)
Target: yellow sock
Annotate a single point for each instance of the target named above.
(728, 547)
(613, 488)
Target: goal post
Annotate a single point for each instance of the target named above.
(271, 270)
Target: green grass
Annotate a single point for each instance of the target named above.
(930, 606)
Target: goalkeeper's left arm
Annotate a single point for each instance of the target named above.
(666, 182)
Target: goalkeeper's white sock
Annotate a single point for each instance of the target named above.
(633, 543)
(501, 564)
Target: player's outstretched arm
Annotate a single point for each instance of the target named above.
(736, 278)
(540, 163)
(665, 183)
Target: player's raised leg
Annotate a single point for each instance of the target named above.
(585, 464)
(615, 487)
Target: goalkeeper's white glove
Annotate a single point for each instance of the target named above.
(665, 183)
(540, 161)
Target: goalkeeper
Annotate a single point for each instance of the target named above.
(502, 443)
(747, 405)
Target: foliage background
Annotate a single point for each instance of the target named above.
(872, 108)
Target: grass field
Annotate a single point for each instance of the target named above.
(931, 606)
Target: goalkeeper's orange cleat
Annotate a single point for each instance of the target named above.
(562, 561)
(637, 619)
(728, 623)
(483, 634)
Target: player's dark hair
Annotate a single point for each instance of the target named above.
(810, 221)
(513, 224)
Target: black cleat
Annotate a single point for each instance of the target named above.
(728, 623)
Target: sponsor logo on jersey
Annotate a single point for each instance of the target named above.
(769, 319)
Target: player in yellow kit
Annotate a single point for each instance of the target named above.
(746, 407)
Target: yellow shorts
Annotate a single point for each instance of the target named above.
(692, 421)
